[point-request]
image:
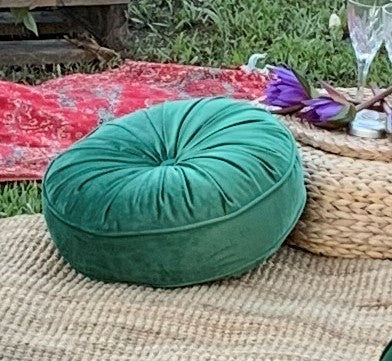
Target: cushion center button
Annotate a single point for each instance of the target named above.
(168, 162)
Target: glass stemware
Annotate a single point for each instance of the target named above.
(387, 25)
(366, 33)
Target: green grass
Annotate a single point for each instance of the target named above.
(36, 74)
(218, 33)
(20, 198)
(226, 32)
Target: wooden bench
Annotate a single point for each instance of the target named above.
(105, 20)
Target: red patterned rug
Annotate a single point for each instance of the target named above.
(38, 122)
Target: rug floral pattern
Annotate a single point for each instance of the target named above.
(39, 122)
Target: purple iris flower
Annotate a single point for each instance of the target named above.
(327, 112)
(286, 89)
(321, 109)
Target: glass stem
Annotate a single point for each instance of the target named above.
(363, 70)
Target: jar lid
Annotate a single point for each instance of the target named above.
(368, 124)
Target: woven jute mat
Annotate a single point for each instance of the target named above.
(297, 306)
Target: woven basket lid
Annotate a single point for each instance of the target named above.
(338, 141)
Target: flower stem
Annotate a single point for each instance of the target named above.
(288, 110)
(385, 104)
(387, 108)
(375, 99)
(376, 107)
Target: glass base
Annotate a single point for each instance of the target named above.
(368, 124)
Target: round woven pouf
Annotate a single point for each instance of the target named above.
(349, 185)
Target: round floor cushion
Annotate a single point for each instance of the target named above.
(181, 193)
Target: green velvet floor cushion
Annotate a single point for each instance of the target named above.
(181, 193)
(387, 354)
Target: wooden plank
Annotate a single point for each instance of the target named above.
(40, 3)
(41, 52)
(49, 22)
(41, 17)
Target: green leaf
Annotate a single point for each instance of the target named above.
(345, 116)
(19, 14)
(24, 16)
(312, 92)
(334, 94)
(30, 23)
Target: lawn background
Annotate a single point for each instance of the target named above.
(220, 33)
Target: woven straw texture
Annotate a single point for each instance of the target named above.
(298, 306)
(349, 184)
